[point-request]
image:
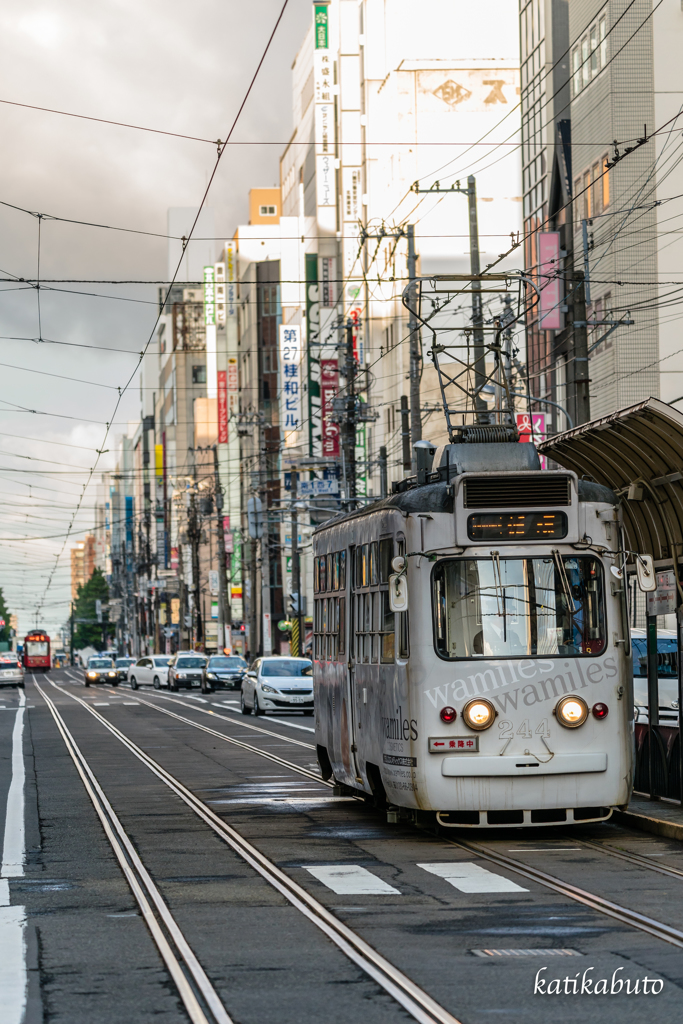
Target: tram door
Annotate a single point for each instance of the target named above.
(355, 656)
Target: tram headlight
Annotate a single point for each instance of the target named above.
(479, 714)
(571, 712)
(448, 715)
(600, 710)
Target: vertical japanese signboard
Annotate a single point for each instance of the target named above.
(325, 174)
(329, 386)
(222, 407)
(233, 386)
(290, 361)
(210, 327)
(313, 352)
(549, 315)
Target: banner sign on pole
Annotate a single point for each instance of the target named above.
(222, 407)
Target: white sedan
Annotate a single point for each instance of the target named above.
(149, 671)
(278, 684)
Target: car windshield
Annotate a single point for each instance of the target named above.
(227, 663)
(162, 662)
(286, 667)
(667, 657)
(519, 607)
(190, 663)
(100, 663)
(124, 662)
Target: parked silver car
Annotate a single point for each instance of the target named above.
(11, 671)
(278, 684)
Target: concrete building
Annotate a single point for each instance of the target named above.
(605, 72)
(82, 563)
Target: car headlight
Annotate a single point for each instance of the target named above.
(479, 714)
(182, 675)
(267, 689)
(210, 675)
(571, 712)
(112, 674)
(92, 675)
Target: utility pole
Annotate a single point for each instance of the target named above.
(383, 475)
(349, 419)
(71, 636)
(415, 356)
(477, 311)
(193, 531)
(297, 624)
(224, 609)
(576, 300)
(405, 435)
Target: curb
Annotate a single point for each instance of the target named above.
(658, 826)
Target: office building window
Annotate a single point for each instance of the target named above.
(267, 211)
(199, 375)
(590, 55)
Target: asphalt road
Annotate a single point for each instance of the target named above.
(76, 946)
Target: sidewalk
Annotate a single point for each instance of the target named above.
(657, 816)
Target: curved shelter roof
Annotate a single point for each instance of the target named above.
(638, 452)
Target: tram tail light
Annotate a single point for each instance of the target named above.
(571, 712)
(600, 710)
(479, 714)
(448, 715)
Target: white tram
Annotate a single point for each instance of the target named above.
(503, 694)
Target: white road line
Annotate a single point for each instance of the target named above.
(100, 704)
(132, 703)
(352, 880)
(13, 972)
(279, 721)
(13, 846)
(188, 696)
(13, 977)
(469, 877)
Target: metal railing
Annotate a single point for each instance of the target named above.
(658, 775)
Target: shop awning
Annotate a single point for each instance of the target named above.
(638, 452)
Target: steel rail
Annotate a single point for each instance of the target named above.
(206, 711)
(632, 858)
(162, 925)
(622, 914)
(418, 1003)
(631, 917)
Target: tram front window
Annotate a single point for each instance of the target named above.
(519, 607)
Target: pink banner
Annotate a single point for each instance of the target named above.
(222, 407)
(549, 316)
(329, 386)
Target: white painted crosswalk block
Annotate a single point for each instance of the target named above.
(352, 880)
(469, 877)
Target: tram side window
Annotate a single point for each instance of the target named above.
(329, 614)
(386, 551)
(519, 607)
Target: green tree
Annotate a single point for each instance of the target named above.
(91, 633)
(4, 614)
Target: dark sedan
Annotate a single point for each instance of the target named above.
(223, 671)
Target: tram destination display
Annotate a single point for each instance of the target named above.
(516, 526)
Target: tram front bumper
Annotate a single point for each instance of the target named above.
(475, 766)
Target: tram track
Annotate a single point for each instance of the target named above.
(418, 1003)
(622, 914)
(198, 995)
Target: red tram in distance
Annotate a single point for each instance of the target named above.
(36, 656)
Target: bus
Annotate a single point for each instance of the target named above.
(36, 655)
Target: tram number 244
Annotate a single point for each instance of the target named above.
(507, 729)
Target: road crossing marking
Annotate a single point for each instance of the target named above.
(100, 704)
(352, 880)
(132, 703)
(469, 877)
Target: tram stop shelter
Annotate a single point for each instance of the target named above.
(638, 452)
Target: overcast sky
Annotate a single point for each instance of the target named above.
(166, 65)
